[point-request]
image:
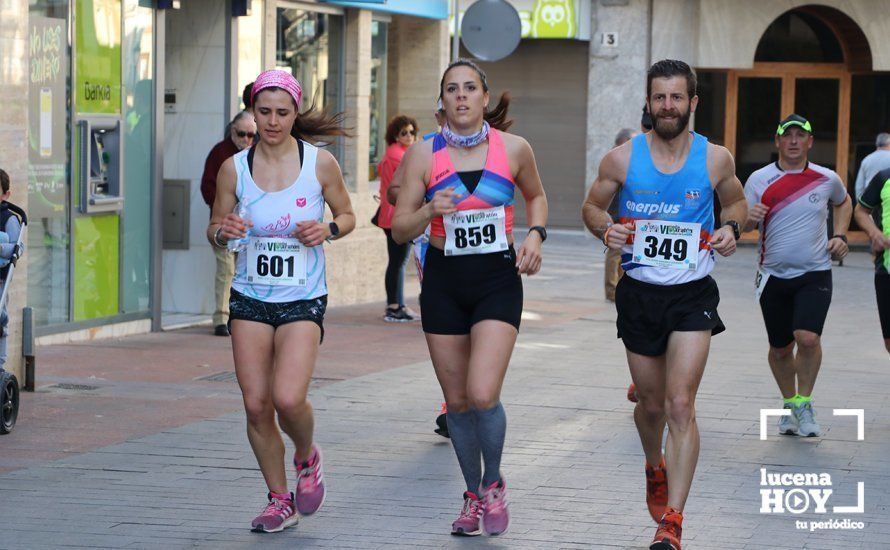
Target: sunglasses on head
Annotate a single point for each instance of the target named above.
(241, 134)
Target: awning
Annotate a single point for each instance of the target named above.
(431, 9)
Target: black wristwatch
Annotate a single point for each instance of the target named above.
(841, 237)
(542, 231)
(735, 228)
(335, 230)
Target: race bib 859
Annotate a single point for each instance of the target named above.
(475, 231)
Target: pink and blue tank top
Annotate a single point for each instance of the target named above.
(684, 196)
(496, 186)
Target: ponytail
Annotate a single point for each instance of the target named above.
(497, 117)
(317, 124)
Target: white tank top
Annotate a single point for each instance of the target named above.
(275, 214)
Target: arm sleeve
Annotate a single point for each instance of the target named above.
(871, 197)
(13, 229)
(838, 191)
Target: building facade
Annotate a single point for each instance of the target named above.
(114, 106)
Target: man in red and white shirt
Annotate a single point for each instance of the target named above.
(788, 202)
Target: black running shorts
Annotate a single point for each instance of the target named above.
(882, 293)
(460, 291)
(798, 303)
(245, 308)
(648, 313)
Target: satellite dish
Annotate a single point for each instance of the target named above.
(491, 29)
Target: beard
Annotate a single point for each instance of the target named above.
(669, 129)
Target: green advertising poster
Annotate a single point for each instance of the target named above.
(97, 65)
(554, 19)
(96, 266)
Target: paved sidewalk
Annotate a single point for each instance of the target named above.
(573, 461)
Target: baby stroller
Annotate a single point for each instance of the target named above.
(9, 385)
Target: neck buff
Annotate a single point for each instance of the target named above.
(472, 140)
(277, 79)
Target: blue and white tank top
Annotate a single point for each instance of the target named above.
(275, 214)
(684, 196)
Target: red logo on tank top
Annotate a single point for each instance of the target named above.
(301, 202)
(282, 223)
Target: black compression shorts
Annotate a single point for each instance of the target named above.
(798, 303)
(882, 293)
(460, 291)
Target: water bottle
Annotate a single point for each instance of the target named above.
(240, 245)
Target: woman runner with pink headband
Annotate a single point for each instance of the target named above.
(279, 294)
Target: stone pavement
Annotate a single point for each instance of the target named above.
(573, 461)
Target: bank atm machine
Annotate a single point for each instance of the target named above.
(99, 202)
(100, 166)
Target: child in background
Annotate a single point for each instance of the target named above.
(10, 229)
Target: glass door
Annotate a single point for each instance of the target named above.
(759, 110)
(817, 100)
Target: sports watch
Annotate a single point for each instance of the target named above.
(735, 228)
(542, 231)
(335, 230)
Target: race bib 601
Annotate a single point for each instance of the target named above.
(279, 261)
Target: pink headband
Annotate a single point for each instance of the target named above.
(277, 79)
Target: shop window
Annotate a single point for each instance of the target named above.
(710, 115)
(310, 45)
(378, 93)
(138, 112)
(869, 116)
(48, 186)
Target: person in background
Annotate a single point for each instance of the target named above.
(246, 99)
(242, 131)
(877, 160)
(400, 134)
(10, 228)
(612, 271)
(645, 126)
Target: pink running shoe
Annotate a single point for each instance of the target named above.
(277, 516)
(467, 524)
(310, 483)
(495, 514)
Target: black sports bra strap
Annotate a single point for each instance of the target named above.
(252, 152)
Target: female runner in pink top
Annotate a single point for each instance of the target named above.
(462, 182)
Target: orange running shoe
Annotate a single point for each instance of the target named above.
(656, 490)
(667, 537)
(632, 393)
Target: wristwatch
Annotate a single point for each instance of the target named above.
(542, 231)
(335, 230)
(841, 237)
(735, 228)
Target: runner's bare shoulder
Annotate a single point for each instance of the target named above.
(614, 165)
(721, 165)
(418, 159)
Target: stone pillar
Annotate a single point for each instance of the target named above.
(418, 54)
(357, 100)
(14, 151)
(355, 266)
(616, 76)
